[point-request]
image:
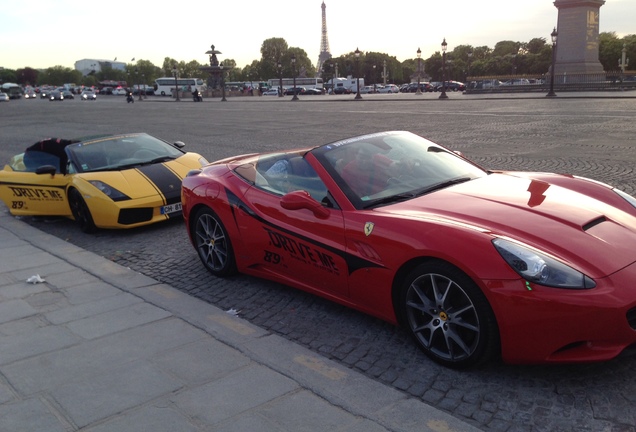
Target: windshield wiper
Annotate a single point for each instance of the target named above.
(160, 159)
(443, 185)
(390, 199)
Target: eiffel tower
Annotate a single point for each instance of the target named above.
(324, 42)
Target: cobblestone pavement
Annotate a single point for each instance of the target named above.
(592, 137)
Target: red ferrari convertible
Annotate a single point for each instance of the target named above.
(476, 264)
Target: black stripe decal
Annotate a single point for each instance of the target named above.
(165, 180)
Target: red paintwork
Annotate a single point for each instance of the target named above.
(547, 211)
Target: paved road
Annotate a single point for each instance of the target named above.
(593, 137)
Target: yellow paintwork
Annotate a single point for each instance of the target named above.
(27, 193)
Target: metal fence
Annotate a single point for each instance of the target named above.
(605, 81)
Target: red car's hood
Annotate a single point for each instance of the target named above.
(588, 232)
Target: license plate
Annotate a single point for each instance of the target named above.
(171, 208)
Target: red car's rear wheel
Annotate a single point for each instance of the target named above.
(213, 243)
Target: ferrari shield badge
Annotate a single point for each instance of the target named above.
(368, 228)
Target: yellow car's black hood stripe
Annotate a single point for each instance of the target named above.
(165, 180)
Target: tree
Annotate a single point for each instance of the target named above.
(251, 72)
(535, 46)
(273, 50)
(143, 72)
(506, 48)
(304, 67)
(26, 76)
(7, 75)
(373, 75)
(168, 64)
(58, 75)
(233, 73)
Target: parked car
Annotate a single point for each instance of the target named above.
(389, 88)
(451, 86)
(88, 95)
(341, 90)
(271, 92)
(474, 263)
(56, 95)
(485, 84)
(367, 90)
(294, 91)
(144, 91)
(424, 87)
(313, 91)
(516, 81)
(109, 181)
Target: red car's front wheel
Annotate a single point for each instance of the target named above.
(448, 315)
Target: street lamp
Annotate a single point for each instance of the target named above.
(470, 55)
(384, 72)
(374, 90)
(623, 62)
(138, 85)
(333, 78)
(294, 90)
(419, 65)
(280, 78)
(176, 84)
(222, 83)
(443, 95)
(357, 54)
(553, 35)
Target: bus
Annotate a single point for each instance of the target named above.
(166, 85)
(308, 83)
(13, 90)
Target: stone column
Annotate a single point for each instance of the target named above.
(577, 43)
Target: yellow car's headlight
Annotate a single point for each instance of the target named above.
(109, 191)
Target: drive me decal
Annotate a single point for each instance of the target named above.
(300, 251)
(36, 194)
(354, 262)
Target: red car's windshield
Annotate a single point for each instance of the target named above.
(373, 169)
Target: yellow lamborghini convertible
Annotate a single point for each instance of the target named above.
(114, 181)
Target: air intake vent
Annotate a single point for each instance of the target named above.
(631, 318)
(593, 223)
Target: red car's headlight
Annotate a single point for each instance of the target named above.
(540, 268)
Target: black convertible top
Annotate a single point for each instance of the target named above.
(40, 154)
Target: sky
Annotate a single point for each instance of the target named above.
(46, 33)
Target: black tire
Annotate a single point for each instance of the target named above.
(212, 243)
(448, 315)
(81, 212)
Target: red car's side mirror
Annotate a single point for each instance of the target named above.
(301, 199)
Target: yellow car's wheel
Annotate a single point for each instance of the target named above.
(81, 212)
